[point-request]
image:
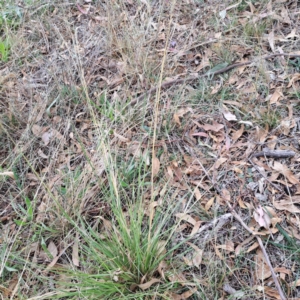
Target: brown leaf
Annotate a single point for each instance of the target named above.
(237, 134)
(263, 270)
(146, 285)
(42, 154)
(240, 247)
(203, 134)
(155, 165)
(271, 40)
(196, 227)
(121, 137)
(75, 255)
(295, 283)
(46, 137)
(197, 194)
(262, 218)
(181, 112)
(186, 217)
(197, 255)
(37, 130)
(228, 246)
(176, 119)
(296, 77)
(41, 212)
(10, 174)
(285, 15)
(205, 61)
(209, 203)
(219, 162)
(276, 95)
(52, 249)
(284, 170)
(188, 294)
(272, 293)
(228, 115)
(254, 246)
(286, 205)
(214, 127)
(152, 210)
(226, 195)
(58, 135)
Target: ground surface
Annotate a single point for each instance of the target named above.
(108, 191)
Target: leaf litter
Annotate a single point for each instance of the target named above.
(213, 130)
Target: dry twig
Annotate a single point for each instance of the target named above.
(238, 218)
(264, 176)
(274, 153)
(193, 78)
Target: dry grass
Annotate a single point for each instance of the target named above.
(101, 199)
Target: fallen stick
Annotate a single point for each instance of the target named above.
(220, 221)
(264, 176)
(274, 153)
(238, 218)
(208, 74)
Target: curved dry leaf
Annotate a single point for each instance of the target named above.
(42, 154)
(276, 95)
(152, 210)
(228, 246)
(161, 269)
(186, 218)
(296, 77)
(196, 227)
(237, 134)
(200, 134)
(197, 255)
(254, 246)
(121, 137)
(197, 194)
(58, 135)
(10, 174)
(241, 247)
(284, 170)
(295, 283)
(75, 255)
(214, 127)
(246, 122)
(226, 195)
(155, 165)
(52, 249)
(146, 285)
(271, 40)
(46, 137)
(209, 203)
(176, 119)
(273, 293)
(286, 205)
(188, 294)
(263, 270)
(262, 218)
(228, 115)
(219, 162)
(37, 130)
